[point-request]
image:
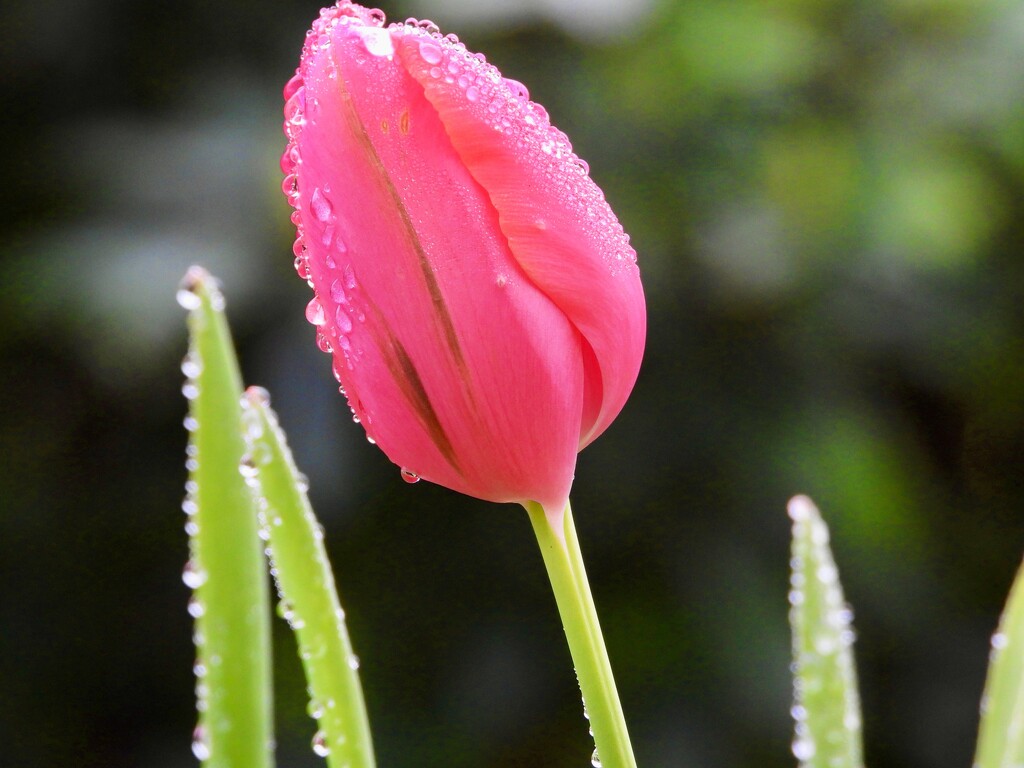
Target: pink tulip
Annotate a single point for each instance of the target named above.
(481, 301)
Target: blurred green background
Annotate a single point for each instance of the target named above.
(826, 196)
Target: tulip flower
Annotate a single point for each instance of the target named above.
(481, 301)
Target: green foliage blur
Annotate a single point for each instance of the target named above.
(826, 197)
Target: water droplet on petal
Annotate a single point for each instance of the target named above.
(292, 86)
(377, 41)
(595, 760)
(518, 89)
(343, 321)
(315, 312)
(431, 52)
(320, 205)
(409, 476)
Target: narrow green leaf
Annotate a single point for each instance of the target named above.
(309, 600)
(827, 704)
(231, 601)
(1001, 735)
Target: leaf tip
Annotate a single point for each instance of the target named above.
(800, 509)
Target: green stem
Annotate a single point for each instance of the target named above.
(564, 562)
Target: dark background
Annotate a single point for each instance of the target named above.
(826, 197)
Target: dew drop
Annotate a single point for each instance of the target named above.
(285, 610)
(350, 277)
(804, 749)
(343, 321)
(409, 476)
(377, 41)
(377, 17)
(999, 641)
(193, 576)
(260, 395)
(190, 390)
(188, 298)
(314, 709)
(320, 748)
(191, 366)
(195, 607)
(518, 89)
(315, 312)
(353, 662)
(290, 187)
(321, 205)
(292, 86)
(248, 467)
(595, 760)
(430, 52)
(200, 746)
(191, 423)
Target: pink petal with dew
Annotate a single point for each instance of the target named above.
(558, 225)
(459, 367)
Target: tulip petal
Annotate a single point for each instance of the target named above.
(557, 223)
(460, 367)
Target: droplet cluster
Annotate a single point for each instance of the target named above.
(336, 311)
(524, 128)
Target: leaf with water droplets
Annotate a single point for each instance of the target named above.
(1001, 734)
(309, 600)
(230, 601)
(827, 705)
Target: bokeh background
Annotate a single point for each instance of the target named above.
(826, 196)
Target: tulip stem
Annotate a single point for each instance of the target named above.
(564, 563)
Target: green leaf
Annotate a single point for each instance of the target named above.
(1001, 735)
(827, 705)
(309, 600)
(231, 601)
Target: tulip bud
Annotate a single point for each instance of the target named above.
(481, 302)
